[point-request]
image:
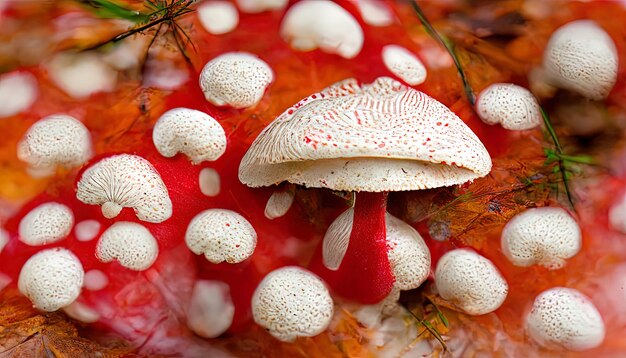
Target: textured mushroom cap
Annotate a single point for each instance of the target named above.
(235, 79)
(194, 133)
(218, 17)
(256, 6)
(470, 281)
(343, 138)
(221, 235)
(544, 236)
(292, 302)
(512, 106)
(131, 244)
(51, 279)
(279, 203)
(125, 180)
(405, 65)
(582, 57)
(311, 24)
(56, 140)
(46, 224)
(211, 309)
(565, 318)
(375, 12)
(18, 91)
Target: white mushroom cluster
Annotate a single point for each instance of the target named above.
(211, 310)
(46, 224)
(470, 281)
(56, 140)
(51, 279)
(218, 17)
(404, 64)
(565, 318)
(541, 236)
(514, 107)
(292, 302)
(130, 244)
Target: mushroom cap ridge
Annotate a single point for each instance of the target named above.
(343, 138)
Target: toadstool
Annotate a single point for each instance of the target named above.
(131, 244)
(374, 12)
(514, 107)
(82, 74)
(211, 309)
(46, 224)
(405, 65)
(18, 91)
(218, 17)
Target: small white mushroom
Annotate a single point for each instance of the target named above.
(617, 215)
(209, 181)
(18, 91)
(279, 203)
(87, 230)
(56, 140)
(541, 236)
(125, 180)
(337, 239)
(514, 107)
(470, 281)
(218, 17)
(46, 224)
(221, 235)
(405, 65)
(581, 57)
(191, 132)
(565, 318)
(81, 312)
(375, 12)
(4, 239)
(235, 79)
(51, 279)
(131, 244)
(256, 6)
(292, 302)
(81, 75)
(311, 24)
(95, 280)
(211, 309)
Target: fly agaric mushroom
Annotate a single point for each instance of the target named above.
(544, 236)
(236, 79)
(470, 281)
(188, 131)
(405, 65)
(221, 235)
(46, 224)
(310, 24)
(514, 107)
(565, 318)
(581, 57)
(131, 244)
(211, 309)
(51, 279)
(292, 302)
(370, 139)
(218, 17)
(56, 140)
(18, 91)
(125, 180)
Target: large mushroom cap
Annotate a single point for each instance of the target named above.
(343, 138)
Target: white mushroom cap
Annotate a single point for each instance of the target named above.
(4, 239)
(378, 137)
(194, 133)
(311, 24)
(292, 302)
(470, 281)
(541, 236)
(81, 75)
(256, 6)
(565, 318)
(405, 65)
(87, 230)
(125, 180)
(221, 235)
(56, 140)
(218, 17)
(375, 12)
(236, 79)
(209, 181)
(211, 309)
(617, 215)
(51, 279)
(279, 203)
(81, 312)
(46, 224)
(18, 91)
(95, 280)
(131, 244)
(582, 57)
(514, 107)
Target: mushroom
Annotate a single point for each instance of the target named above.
(218, 17)
(81, 312)
(51, 279)
(87, 230)
(405, 65)
(370, 139)
(131, 244)
(470, 281)
(235, 79)
(46, 224)
(211, 310)
(56, 140)
(541, 236)
(581, 57)
(514, 107)
(565, 318)
(279, 203)
(374, 12)
(125, 180)
(18, 91)
(81, 75)
(221, 235)
(191, 132)
(617, 215)
(256, 6)
(291, 302)
(95, 280)
(310, 24)
(209, 181)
